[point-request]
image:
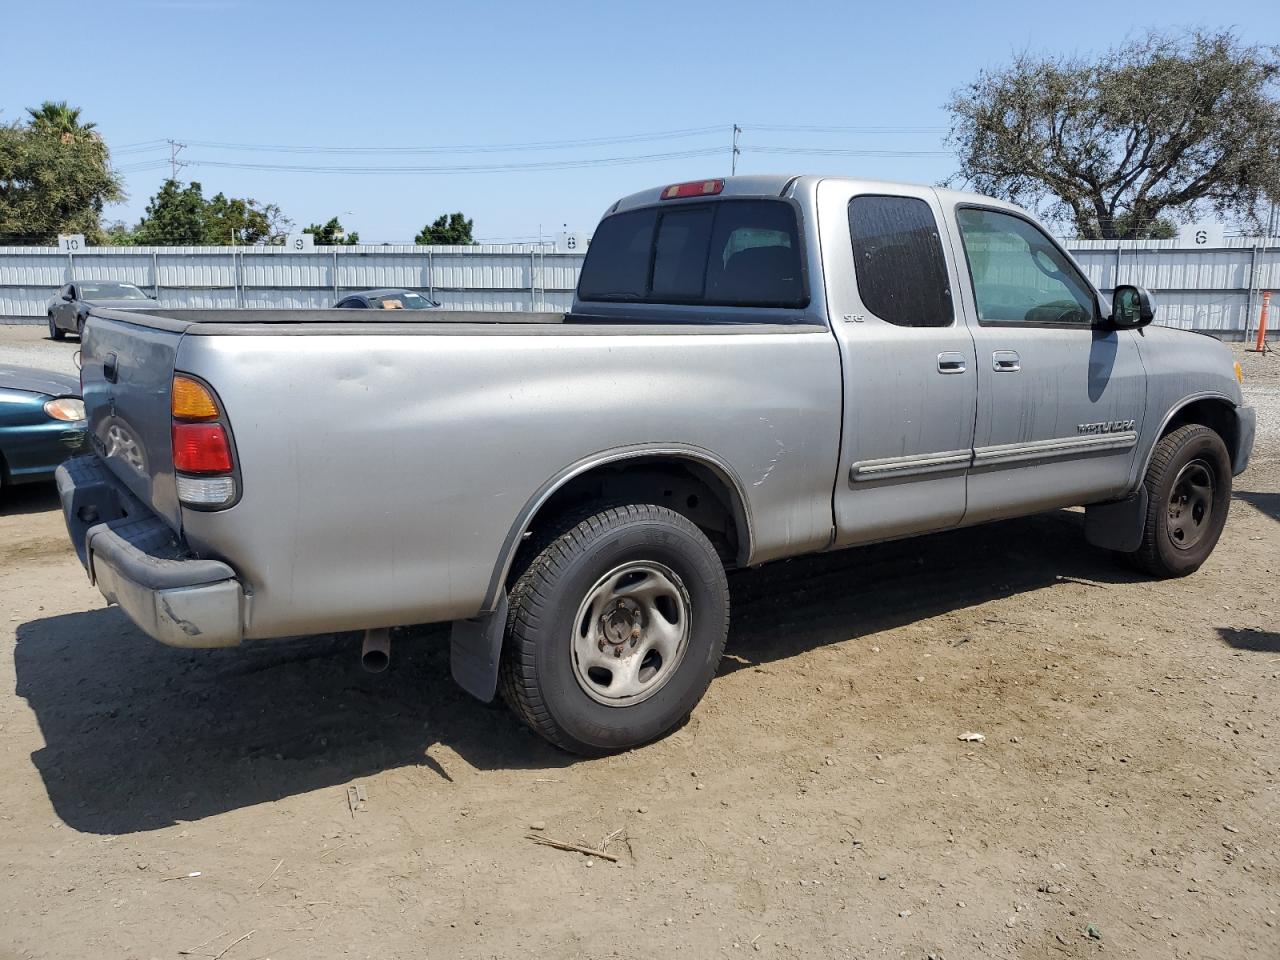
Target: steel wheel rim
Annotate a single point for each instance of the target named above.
(1190, 507)
(631, 633)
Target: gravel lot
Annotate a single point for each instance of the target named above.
(819, 803)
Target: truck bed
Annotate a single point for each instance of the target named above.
(385, 468)
(222, 322)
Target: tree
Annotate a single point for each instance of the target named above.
(232, 220)
(181, 215)
(447, 228)
(332, 234)
(54, 178)
(1156, 131)
(58, 118)
(175, 216)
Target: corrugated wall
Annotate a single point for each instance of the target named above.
(1216, 290)
(504, 277)
(1202, 289)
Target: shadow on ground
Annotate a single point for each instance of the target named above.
(139, 736)
(1251, 639)
(29, 498)
(1268, 503)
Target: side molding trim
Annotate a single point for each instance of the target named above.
(1009, 453)
(892, 468)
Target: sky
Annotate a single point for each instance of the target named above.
(409, 83)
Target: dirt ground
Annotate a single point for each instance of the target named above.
(819, 803)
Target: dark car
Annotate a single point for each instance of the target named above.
(71, 304)
(41, 423)
(390, 299)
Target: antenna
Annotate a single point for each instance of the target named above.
(174, 163)
(733, 163)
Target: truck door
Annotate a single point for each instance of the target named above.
(908, 363)
(1061, 397)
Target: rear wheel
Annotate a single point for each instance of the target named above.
(55, 332)
(616, 629)
(1188, 495)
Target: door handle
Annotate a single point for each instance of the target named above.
(952, 363)
(110, 368)
(1006, 361)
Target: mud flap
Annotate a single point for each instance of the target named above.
(475, 647)
(1119, 525)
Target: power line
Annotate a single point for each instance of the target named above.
(837, 152)
(826, 128)
(460, 148)
(458, 168)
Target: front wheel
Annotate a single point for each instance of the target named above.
(55, 332)
(1188, 495)
(616, 629)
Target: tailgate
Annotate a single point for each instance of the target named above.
(126, 366)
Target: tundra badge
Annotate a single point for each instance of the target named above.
(1107, 426)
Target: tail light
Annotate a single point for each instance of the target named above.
(203, 453)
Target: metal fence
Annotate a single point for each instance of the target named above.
(1216, 290)
(515, 277)
(1212, 289)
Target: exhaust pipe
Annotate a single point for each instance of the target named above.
(375, 655)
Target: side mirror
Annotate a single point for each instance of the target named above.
(67, 297)
(1131, 307)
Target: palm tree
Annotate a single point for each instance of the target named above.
(58, 118)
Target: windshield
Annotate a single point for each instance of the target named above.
(110, 291)
(400, 301)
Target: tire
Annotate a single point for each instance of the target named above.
(1188, 495)
(616, 628)
(79, 327)
(55, 332)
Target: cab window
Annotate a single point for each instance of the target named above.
(898, 261)
(1019, 275)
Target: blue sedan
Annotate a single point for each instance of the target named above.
(41, 423)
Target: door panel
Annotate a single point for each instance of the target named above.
(909, 391)
(1060, 398)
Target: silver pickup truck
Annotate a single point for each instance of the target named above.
(754, 368)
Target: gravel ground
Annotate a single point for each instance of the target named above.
(29, 346)
(824, 800)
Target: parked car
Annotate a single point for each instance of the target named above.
(389, 299)
(41, 423)
(753, 368)
(70, 305)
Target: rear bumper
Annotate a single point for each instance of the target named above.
(138, 562)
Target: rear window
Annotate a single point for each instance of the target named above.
(727, 253)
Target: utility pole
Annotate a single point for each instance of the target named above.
(174, 163)
(733, 162)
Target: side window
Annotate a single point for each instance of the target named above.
(899, 263)
(1019, 275)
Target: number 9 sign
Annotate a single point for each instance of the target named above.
(300, 243)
